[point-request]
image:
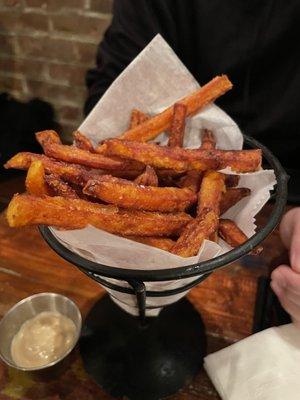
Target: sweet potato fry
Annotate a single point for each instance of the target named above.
(177, 125)
(194, 102)
(191, 181)
(70, 172)
(211, 190)
(82, 142)
(231, 180)
(159, 242)
(208, 140)
(35, 179)
(76, 213)
(129, 195)
(137, 117)
(192, 236)
(147, 178)
(48, 136)
(59, 187)
(233, 235)
(182, 160)
(231, 197)
(75, 155)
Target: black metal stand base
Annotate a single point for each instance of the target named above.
(142, 362)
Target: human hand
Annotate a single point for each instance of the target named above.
(286, 279)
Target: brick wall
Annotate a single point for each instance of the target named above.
(46, 46)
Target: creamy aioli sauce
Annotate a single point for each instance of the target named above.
(42, 339)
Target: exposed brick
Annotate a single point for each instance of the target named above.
(8, 45)
(56, 92)
(9, 21)
(30, 46)
(68, 73)
(12, 21)
(80, 24)
(33, 21)
(55, 5)
(86, 53)
(29, 68)
(69, 113)
(12, 3)
(8, 84)
(7, 65)
(103, 6)
(47, 48)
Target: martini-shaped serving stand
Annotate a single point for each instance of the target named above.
(148, 358)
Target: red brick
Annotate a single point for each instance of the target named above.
(56, 92)
(12, 3)
(8, 84)
(103, 6)
(70, 113)
(72, 74)
(55, 5)
(9, 21)
(47, 48)
(33, 21)
(8, 45)
(30, 68)
(30, 46)
(80, 25)
(86, 53)
(7, 65)
(16, 21)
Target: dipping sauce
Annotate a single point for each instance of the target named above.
(42, 339)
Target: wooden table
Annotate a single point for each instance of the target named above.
(226, 301)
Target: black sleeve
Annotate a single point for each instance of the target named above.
(133, 25)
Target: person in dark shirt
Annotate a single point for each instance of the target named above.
(255, 44)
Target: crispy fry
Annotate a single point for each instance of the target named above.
(45, 137)
(159, 242)
(75, 155)
(211, 190)
(129, 195)
(137, 117)
(232, 180)
(147, 178)
(70, 172)
(59, 187)
(194, 103)
(232, 196)
(177, 125)
(82, 142)
(182, 160)
(208, 140)
(191, 181)
(194, 233)
(76, 213)
(233, 235)
(35, 179)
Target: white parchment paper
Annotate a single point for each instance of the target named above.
(155, 79)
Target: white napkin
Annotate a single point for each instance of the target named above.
(264, 366)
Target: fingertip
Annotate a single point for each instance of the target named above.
(295, 258)
(279, 274)
(277, 289)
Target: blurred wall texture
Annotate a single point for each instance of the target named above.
(46, 46)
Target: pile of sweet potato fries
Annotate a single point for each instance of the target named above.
(169, 197)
